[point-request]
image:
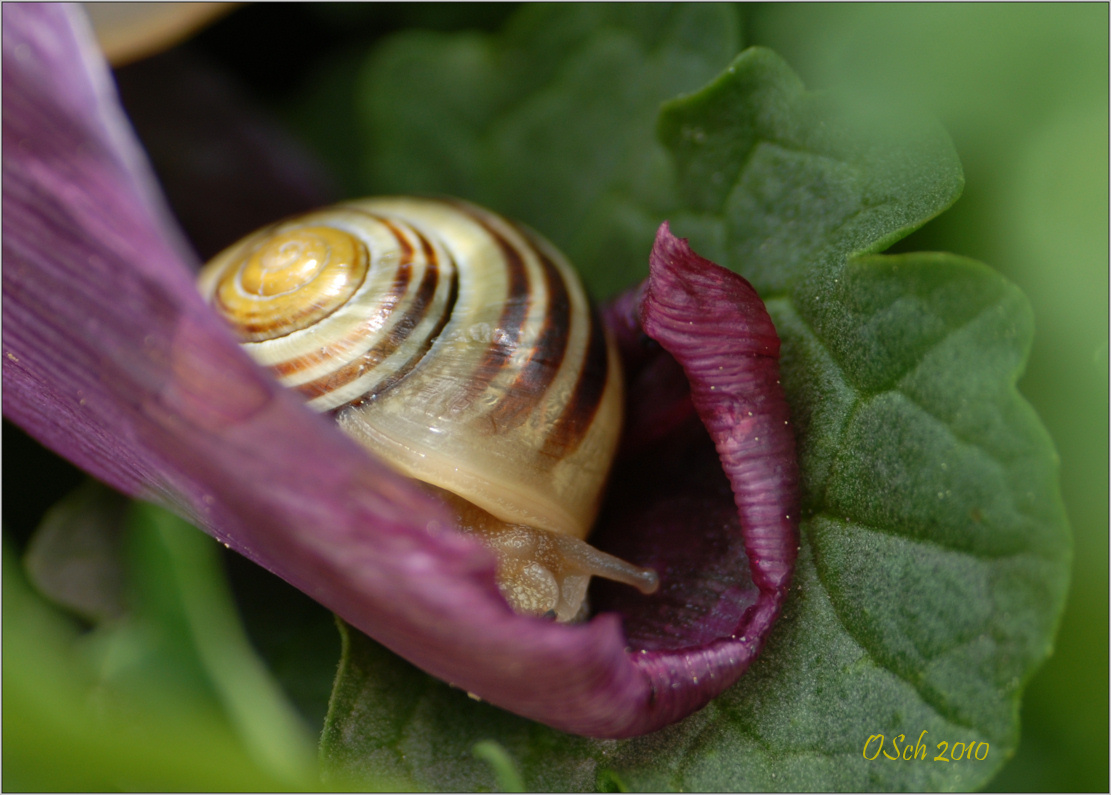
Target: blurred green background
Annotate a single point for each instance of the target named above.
(1022, 90)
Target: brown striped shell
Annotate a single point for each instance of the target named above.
(462, 349)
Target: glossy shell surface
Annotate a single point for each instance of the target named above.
(453, 343)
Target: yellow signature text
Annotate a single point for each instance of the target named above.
(901, 749)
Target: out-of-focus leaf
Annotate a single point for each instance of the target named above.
(194, 588)
(61, 734)
(549, 122)
(294, 636)
(76, 555)
(171, 677)
(509, 780)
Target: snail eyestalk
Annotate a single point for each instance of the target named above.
(541, 572)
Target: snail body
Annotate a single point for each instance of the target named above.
(460, 348)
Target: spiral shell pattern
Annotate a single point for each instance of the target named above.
(451, 342)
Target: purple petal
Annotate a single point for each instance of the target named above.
(724, 543)
(112, 359)
(713, 322)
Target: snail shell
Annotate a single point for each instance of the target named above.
(462, 349)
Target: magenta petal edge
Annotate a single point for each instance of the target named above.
(716, 327)
(111, 359)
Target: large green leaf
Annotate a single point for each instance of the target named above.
(934, 547)
(1023, 90)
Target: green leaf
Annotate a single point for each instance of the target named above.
(389, 719)
(75, 556)
(58, 738)
(246, 691)
(1022, 89)
(550, 122)
(776, 180)
(166, 695)
(935, 550)
(509, 780)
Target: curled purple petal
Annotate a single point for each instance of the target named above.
(112, 359)
(724, 543)
(713, 322)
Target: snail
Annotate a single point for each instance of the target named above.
(460, 348)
